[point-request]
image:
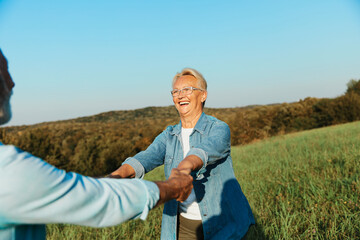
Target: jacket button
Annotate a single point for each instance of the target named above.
(205, 215)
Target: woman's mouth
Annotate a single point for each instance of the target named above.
(184, 103)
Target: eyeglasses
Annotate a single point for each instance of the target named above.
(185, 91)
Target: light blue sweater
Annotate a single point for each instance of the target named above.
(33, 193)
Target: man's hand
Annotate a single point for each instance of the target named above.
(178, 186)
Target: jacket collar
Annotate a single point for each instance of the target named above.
(200, 126)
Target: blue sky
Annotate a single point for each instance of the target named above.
(79, 58)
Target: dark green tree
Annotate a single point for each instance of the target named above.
(353, 86)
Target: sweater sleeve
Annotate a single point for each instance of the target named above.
(33, 191)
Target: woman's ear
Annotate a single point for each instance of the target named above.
(204, 96)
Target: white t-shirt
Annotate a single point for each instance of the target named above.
(189, 208)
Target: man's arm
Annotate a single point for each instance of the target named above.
(33, 191)
(178, 186)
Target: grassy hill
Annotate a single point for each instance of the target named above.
(304, 185)
(300, 186)
(97, 145)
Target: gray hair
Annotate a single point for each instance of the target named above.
(192, 72)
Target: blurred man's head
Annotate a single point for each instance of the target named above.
(6, 85)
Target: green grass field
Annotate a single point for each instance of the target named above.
(300, 186)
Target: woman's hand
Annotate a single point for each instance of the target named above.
(125, 171)
(189, 164)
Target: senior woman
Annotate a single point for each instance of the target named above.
(199, 145)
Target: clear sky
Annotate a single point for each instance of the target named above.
(73, 58)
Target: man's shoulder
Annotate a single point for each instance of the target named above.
(6, 150)
(10, 155)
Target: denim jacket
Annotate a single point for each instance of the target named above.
(225, 211)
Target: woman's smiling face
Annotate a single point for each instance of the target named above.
(188, 105)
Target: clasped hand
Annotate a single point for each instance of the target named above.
(178, 186)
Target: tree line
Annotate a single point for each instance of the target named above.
(98, 144)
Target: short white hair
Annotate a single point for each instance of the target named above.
(192, 72)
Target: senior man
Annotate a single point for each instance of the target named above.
(33, 192)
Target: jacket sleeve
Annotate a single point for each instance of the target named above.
(145, 161)
(214, 146)
(33, 191)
